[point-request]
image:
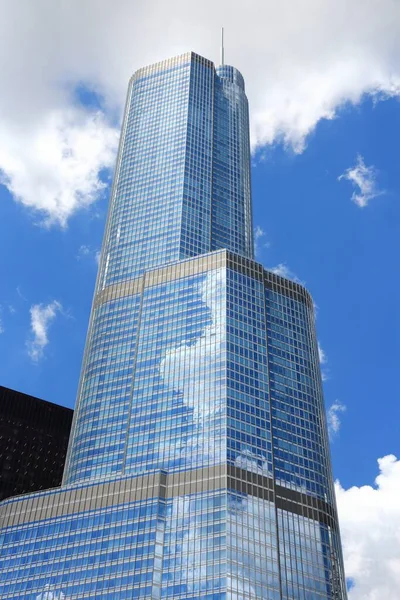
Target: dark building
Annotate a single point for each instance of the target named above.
(33, 443)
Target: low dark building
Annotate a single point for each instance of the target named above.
(33, 443)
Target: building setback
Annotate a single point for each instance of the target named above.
(33, 443)
(198, 464)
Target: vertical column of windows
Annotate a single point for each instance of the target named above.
(196, 205)
(231, 207)
(195, 547)
(309, 557)
(309, 549)
(248, 410)
(99, 436)
(252, 562)
(252, 539)
(300, 450)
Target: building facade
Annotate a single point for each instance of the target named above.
(33, 443)
(198, 465)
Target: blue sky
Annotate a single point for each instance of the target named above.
(323, 80)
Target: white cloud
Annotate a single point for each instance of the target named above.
(259, 240)
(283, 271)
(323, 360)
(321, 354)
(250, 461)
(85, 251)
(363, 178)
(49, 593)
(57, 171)
(41, 318)
(258, 232)
(333, 416)
(20, 294)
(302, 61)
(370, 528)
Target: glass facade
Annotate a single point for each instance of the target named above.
(198, 464)
(182, 182)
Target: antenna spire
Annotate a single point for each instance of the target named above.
(222, 47)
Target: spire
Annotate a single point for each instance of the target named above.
(222, 46)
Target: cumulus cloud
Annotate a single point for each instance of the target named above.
(58, 171)
(302, 61)
(283, 271)
(370, 527)
(333, 416)
(363, 179)
(41, 318)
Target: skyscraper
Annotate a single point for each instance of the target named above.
(198, 465)
(33, 443)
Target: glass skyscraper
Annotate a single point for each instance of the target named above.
(198, 465)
